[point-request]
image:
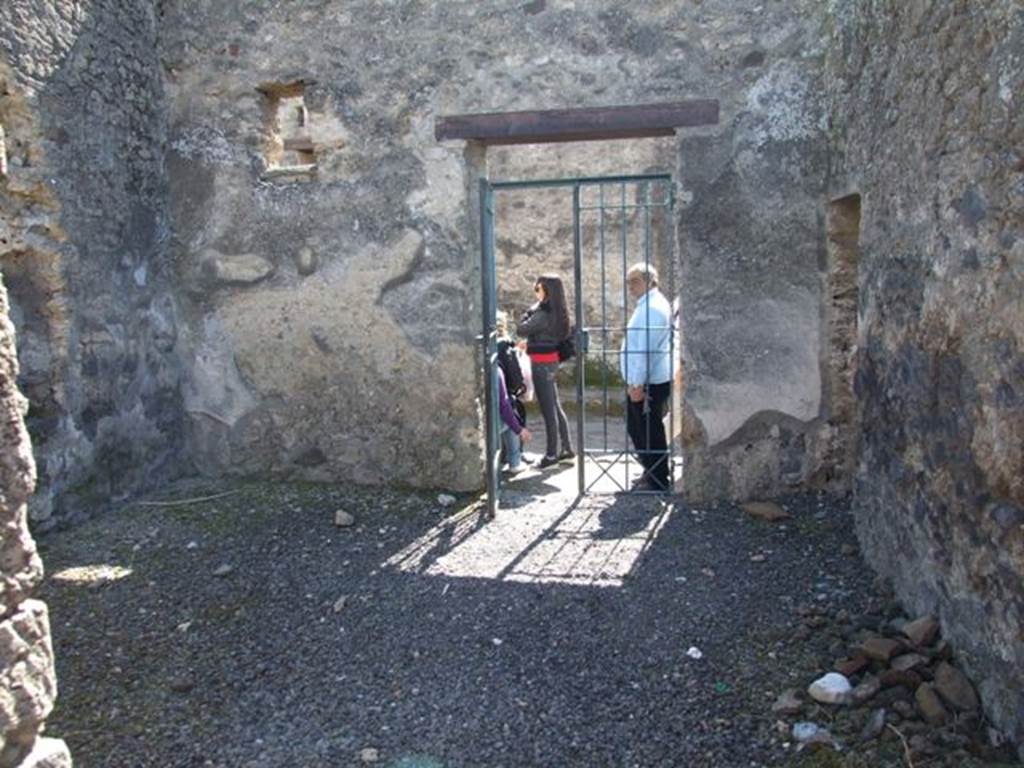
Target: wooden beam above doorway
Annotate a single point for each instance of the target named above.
(587, 124)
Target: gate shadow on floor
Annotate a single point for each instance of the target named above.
(556, 634)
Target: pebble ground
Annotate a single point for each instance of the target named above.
(249, 630)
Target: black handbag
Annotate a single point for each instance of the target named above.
(567, 347)
(519, 408)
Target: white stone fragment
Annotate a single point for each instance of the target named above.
(811, 733)
(832, 688)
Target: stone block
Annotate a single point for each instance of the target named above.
(908, 661)
(236, 268)
(922, 631)
(905, 677)
(866, 690)
(306, 261)
(765, 510)
(28, 683)
(880, 648)
(929, 705)
(20, 566)
(955, 688)
(850, 665)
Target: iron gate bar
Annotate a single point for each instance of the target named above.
(574, 180)
(625, 341)
(647, 326)
(604, 316)
(581, 418)
(673, 322)
(626, 207)
(490, 345)
(606, 470)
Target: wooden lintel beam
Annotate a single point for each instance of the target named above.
(587, 124)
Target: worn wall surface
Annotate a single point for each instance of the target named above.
(325, 239)
(83, 233)
(28, 683)
(927, 113)
(752, 244)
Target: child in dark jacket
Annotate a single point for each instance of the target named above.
(513, 433)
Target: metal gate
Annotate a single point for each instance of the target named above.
(616, 222)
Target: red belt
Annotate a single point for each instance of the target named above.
(543, 357)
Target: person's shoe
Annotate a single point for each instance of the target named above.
(526, 459)
(516, 469)
(547, 461)
(647, 483)
(642, 484)
(567, 456)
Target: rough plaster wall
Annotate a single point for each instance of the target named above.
(28, 683)
(751, 240)
(269, 258)
(84, 247)
(928, 113)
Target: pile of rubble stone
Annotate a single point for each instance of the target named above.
(896, 691)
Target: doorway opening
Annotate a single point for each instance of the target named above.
(600, 229)
(646, 198)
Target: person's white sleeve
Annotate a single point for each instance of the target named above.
(635, 350)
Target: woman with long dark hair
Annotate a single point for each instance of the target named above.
(545, 325)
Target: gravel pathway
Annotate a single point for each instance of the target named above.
(249, 630)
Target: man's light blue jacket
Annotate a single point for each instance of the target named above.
(646, 355)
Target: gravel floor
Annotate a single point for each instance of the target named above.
(248, 630)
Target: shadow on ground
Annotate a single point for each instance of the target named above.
(556, 635)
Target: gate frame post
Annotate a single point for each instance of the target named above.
(581, 406)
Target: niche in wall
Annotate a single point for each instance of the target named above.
(289, 151)
(841, 297)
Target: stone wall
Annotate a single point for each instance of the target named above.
(325, 239)
(254, 197)
(752, 247)
(927, 113)
(28, 683)
(83, 248)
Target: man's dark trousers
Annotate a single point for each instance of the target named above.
(647, 431)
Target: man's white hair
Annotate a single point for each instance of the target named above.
(643, 270)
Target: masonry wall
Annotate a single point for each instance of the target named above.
(326, 244)
(28, 682)
(927, 112)
(83, 248)
(753, 266)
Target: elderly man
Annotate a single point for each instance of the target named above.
(646, 364)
